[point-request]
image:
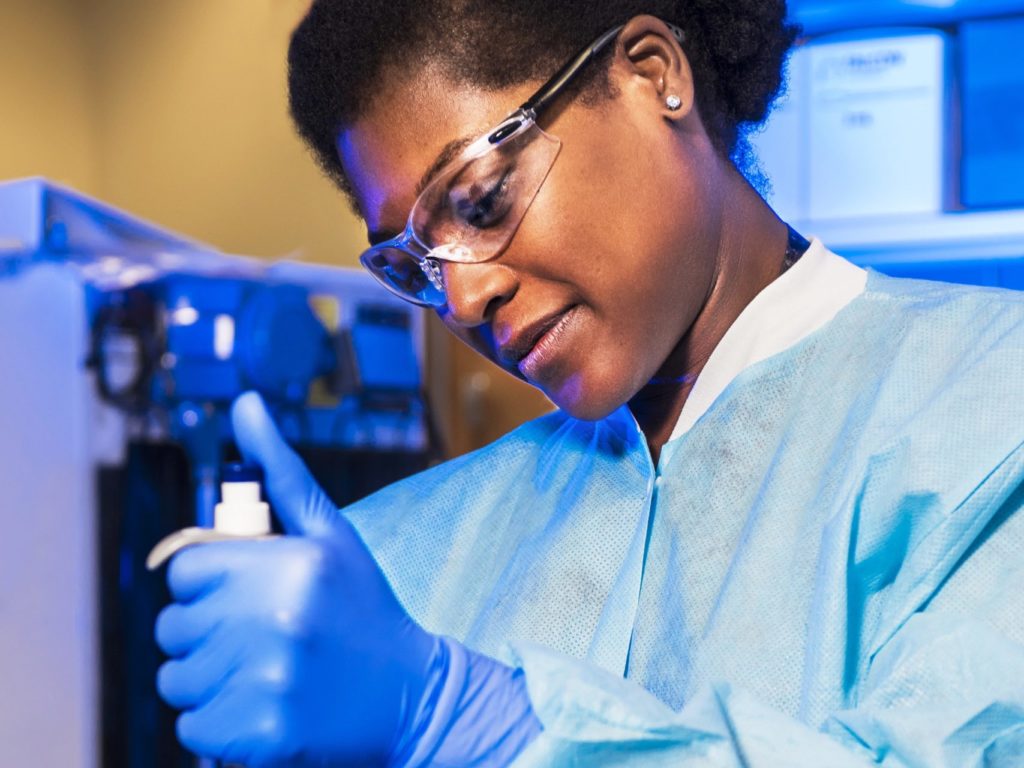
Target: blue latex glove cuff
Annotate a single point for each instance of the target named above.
(475, 711)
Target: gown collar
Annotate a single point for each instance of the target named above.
(795, 305)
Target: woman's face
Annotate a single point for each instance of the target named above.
(613, 260)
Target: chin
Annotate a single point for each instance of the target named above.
(584, 403)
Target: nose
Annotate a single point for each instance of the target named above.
(476, 291)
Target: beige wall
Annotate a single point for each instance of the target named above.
(175, 110)
(48, 111)
(195, 128)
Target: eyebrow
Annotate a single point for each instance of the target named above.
(445, 156)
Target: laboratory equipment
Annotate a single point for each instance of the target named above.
(875, 198)
(125, 345)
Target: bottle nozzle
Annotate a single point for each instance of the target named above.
(241, 511)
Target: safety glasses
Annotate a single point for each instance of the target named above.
(471, 210)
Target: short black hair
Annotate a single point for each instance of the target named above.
(343, 50)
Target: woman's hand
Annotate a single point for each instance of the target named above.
(293, 650)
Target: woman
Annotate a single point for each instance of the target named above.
(775, 519)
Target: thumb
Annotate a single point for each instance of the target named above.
(300, 504)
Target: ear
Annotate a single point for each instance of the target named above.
(651, 64)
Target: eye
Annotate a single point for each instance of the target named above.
(485, 203)
(401, 271)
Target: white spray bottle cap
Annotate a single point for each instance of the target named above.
(241, 511)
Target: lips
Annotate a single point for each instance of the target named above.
(523, 341)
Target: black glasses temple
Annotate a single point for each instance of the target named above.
(536, 103)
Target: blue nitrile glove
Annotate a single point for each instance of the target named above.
(295, 650)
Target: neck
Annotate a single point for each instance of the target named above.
(750, 255)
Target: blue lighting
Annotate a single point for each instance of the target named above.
(993, 113)
(823, 16)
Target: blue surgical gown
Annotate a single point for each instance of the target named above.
(827, 569)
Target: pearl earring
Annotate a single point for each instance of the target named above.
(673, 102)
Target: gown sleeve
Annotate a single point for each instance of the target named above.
(590, 717)
(941, 693)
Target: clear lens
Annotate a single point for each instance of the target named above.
(467, 214)
(406, 276)
(472, 210)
